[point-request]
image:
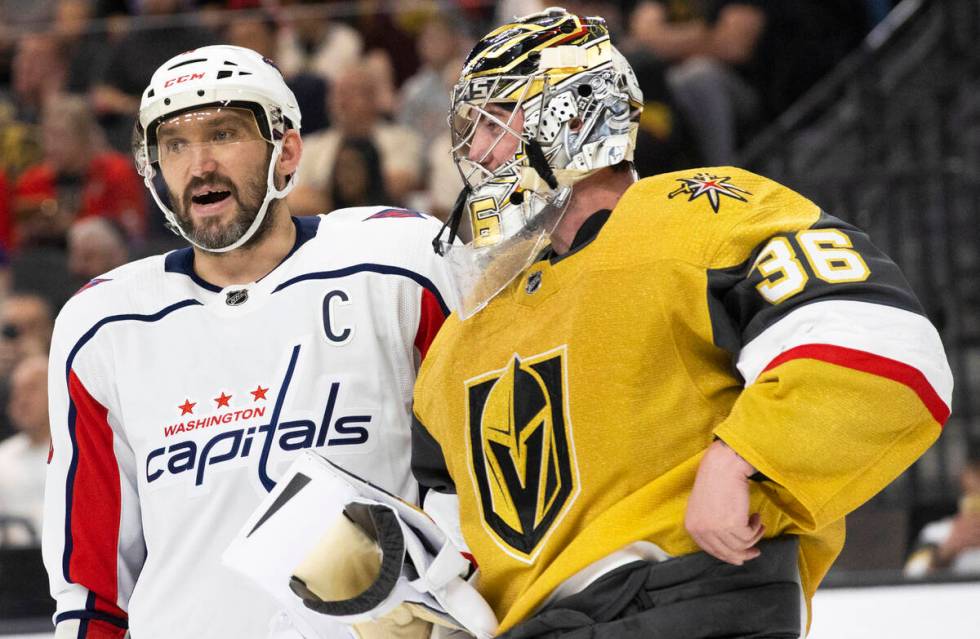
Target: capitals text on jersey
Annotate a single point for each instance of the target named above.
(297, 434)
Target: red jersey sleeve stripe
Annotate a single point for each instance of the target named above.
(97, 629)
(95, 501)
(874, 364)
(431, 318)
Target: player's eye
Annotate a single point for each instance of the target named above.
(223, 136)
(175, 145)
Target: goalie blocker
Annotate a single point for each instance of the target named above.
(355, 558)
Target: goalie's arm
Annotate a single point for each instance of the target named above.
(846, 381)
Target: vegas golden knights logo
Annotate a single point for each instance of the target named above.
(523, 461)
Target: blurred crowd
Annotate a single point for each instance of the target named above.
(373, 79)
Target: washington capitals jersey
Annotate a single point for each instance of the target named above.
(570, 415)
(175, 405)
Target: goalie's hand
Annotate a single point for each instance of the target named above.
(718, 509)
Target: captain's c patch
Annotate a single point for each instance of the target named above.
(522, 451)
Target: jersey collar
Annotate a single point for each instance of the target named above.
(583, 237)
(182, 260)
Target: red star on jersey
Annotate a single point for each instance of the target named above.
(223, 400)
(187, 407)
(259, 393)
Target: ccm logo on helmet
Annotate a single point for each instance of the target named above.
(183, 78)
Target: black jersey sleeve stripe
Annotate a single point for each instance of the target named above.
(739, 313)
(428, 461)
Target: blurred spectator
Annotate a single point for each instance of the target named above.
(259, 33)
(354, 114)
(356, 178)
(39, 69)
(217, 14)
(131, 62)
(96, 245)
(38, 72)
(78, 178)
(424, 100)
(508, 9)
(26, 321)
(85, 47)
(25, 15)
(390, 32)
(739, 63)
(312, 94)
(443, 182)
(211, 14)
(23, 457)
(706, 43)
(377, 64)
(664, 141)
(311, 43)
(952, 544)
(253, 31)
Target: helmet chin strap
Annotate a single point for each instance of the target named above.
(271, 193)
(539, 163)
(452, 223)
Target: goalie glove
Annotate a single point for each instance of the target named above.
(355, 555)
(363, 579)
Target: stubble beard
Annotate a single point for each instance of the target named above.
(213, 233)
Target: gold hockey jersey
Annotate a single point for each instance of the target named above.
(571, 413)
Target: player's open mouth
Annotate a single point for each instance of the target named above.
(210, 197)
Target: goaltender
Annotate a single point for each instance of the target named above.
(660, 398)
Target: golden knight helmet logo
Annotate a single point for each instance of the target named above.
(520, 445)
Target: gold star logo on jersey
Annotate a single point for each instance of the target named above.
(712, 186)
(523, 458)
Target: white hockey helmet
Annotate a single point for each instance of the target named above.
(220, 76)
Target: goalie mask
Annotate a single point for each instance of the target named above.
(541, 104)
(189, 98)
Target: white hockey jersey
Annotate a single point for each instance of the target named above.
(175, 405)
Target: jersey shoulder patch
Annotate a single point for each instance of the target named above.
(351, 236)
(394, 213)
(717, 192)
(92, 282)
(694, 215)
(135, 288)
(132, 287)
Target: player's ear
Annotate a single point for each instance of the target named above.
(292, 150)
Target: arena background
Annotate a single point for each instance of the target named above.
(869, 107)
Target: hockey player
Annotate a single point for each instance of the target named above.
(656, 425)
(182, 384)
